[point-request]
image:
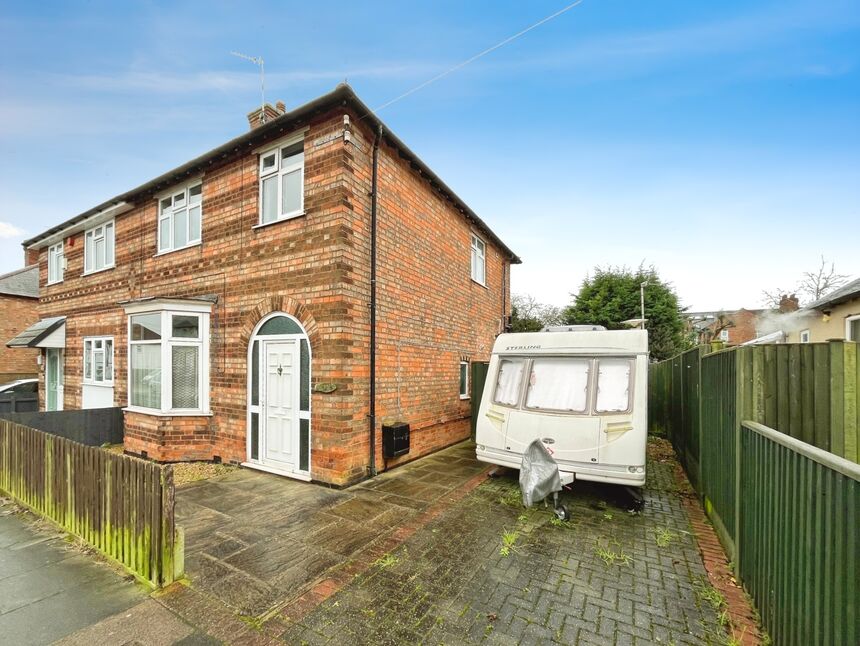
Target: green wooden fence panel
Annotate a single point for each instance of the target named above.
(800, 545)
(118, 504)
(718, 450)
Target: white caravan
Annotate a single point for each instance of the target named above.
(582, 391)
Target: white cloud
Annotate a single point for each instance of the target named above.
(9, 230)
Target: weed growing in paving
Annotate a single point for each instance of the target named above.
(511, 498)
(386, 561)
(610, 557)
(709, 594)
(664, 536)
(508, 540)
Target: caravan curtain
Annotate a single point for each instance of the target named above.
(558, 384)
(508, 382)
(613, 385)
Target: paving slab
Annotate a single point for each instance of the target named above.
(49, 589)
(254, 541)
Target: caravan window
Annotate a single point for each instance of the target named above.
(509, 381)
(613, 385)
(559, 384)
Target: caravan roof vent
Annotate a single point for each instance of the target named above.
(574, 328)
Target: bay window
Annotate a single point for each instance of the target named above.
(99, 248)
(282, 171)
(98, 361)
(168, 361)
(179, 218)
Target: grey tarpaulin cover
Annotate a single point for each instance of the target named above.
(538, 474)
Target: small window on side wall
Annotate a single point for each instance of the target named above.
(464, 380)
(804, 336)
(479, 260)
(724, 335)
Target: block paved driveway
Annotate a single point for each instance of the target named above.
(320, 566)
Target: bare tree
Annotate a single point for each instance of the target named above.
(816, 284)
(529, 314)
(773, 298)
(812, 286)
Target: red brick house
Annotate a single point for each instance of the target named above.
(19, 301)
(733, 327)
(231, 305)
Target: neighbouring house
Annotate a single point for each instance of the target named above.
(732, 327)
(833, 317)
(19, 301)
(277, 300)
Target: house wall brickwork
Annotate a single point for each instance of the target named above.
(17, 313)
(316, 268)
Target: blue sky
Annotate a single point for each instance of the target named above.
(718, 141)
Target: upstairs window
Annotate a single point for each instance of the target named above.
(56, 263)
(282, 172)
(98, 360)
(479, 263)
(724, 335)
(179, 218)
(99, 248)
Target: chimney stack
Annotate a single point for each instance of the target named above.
(788, 304)
(258, 117)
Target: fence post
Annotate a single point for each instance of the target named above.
(168, 533)
(743, 370)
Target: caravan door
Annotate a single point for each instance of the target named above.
(555, 410)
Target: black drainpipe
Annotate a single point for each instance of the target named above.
(373, 202)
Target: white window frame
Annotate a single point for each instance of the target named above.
(56, 263)
(804, 336)
(463, 395)
(280, 171)
(478, 249)
(105, 231)
(167, 342)
(724, 335)
(170, 215)
(89, 356)
(848, 321)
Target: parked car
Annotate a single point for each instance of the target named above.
(20, 387)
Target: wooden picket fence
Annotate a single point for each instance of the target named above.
(122, 506)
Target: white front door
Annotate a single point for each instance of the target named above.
(280, 405)
(53, 379)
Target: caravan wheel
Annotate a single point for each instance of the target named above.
(562, 513)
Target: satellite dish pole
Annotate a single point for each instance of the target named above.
(258, 60)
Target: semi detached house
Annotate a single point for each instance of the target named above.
(276, 301)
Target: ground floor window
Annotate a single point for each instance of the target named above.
(169, 361)
(464, 380)
(98, 360)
